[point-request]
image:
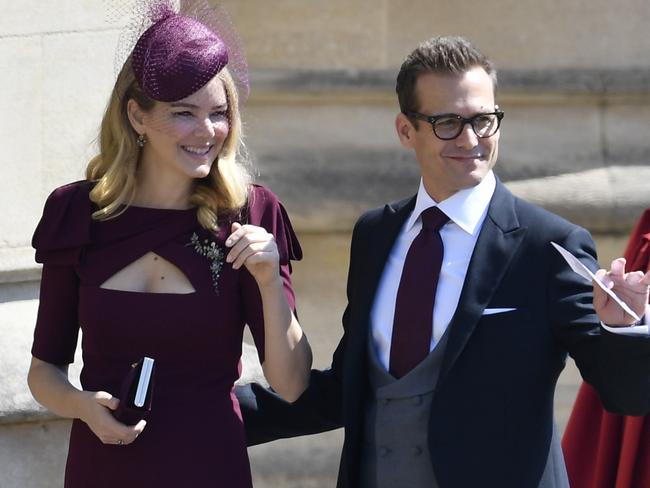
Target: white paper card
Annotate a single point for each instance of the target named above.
(583, 271)
(143, 383)
(494, 311)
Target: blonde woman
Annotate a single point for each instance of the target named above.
(166, 251)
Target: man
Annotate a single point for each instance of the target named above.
(460, 312)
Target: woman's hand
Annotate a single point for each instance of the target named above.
(632, 288)
(95, 410)
(255, 248)
(51, 387)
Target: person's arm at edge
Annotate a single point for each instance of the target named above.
(616, 365)
(49, 382)
(287, 354)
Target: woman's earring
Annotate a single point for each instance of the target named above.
(142, 140)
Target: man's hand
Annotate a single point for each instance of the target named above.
(632, 288)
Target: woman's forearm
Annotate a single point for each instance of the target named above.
(51, 388)
(287, 354)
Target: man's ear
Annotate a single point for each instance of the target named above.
(135, 114)
(405, 130)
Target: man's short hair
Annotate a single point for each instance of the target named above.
(440, 55)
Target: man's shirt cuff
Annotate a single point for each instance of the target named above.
(632, 330)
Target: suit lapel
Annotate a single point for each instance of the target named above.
(379, 242)
(497, 243)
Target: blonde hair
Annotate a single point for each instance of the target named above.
(113, 170)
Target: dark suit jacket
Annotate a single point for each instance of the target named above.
(492, 413)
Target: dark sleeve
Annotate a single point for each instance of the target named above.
(320, 408)
(57, 325)
(58, 240)
(617, 366)
(265, 210)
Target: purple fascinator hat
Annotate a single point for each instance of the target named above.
(178, 47)
(177, 56)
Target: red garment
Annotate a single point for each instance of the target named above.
(601, 449)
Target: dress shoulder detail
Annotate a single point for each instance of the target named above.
(266, 210)
(64, 227)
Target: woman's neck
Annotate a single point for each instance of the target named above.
(162, 190)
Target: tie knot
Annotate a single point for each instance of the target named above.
(433, 218)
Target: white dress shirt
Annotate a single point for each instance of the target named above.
(466, 210)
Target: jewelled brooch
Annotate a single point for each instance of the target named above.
(213, 253)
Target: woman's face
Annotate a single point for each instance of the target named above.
(186, 136)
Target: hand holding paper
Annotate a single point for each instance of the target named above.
(619, 298)
(632, 288)
(136, 393)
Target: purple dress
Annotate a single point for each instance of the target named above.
(194, 435)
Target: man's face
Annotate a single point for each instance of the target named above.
(450, 166)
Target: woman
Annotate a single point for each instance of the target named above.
(602, 449)
(148, 256)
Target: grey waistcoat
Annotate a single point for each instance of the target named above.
(396, 453)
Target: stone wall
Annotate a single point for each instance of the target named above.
(574, 82)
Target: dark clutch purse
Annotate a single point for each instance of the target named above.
(136, 393)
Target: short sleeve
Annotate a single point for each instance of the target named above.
(64, 227)
(59, 239)
(57, 324)
(265, 210)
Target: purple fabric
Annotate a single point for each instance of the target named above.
(59, 238)
(177, 56)
(194, 435)
(413, 322)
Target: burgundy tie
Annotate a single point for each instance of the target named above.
(413, 322)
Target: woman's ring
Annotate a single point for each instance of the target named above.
(120, 442)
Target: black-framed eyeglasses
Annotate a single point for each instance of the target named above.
(449, 126)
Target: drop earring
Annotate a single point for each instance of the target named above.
(142, 140)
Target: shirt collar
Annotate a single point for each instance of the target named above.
(466, 208)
